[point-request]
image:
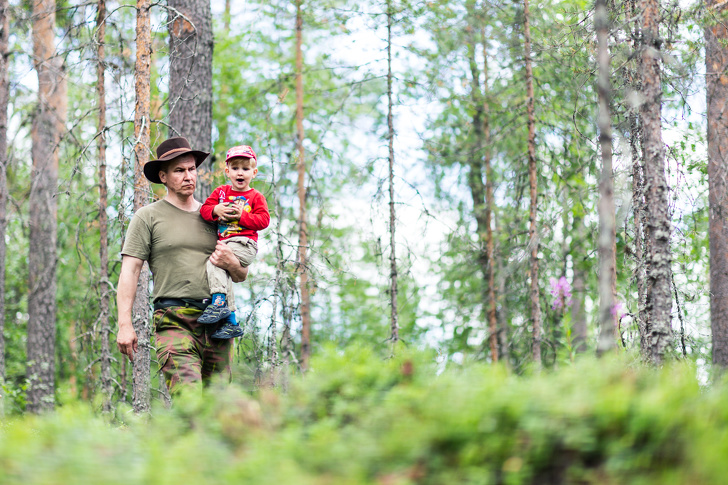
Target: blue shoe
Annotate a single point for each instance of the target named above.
(214, 313)
(228, 331)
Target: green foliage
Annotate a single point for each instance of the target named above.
(359, 418)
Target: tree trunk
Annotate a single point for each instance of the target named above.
(274, 359)
(394, 325)
(141, 374)
(4, 95)
(607, 225)
(46, 134)
(659, 298)
(226, 16)
(302, 226)
(106, 382)
(190, 80)
(716, 80)
(501, 316)
(639, 221)
(489, 245)
(532, 179)
(475, 160)
(578, 310)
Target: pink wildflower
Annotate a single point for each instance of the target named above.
(617, 310)
(561, 291)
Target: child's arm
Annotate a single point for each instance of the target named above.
(208, 207)
(258, 218)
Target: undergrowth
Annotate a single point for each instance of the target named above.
(356, 418)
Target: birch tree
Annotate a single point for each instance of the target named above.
(46, 131)
(141, 378)
(394, 325)
(716, 80)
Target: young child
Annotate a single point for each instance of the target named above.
(240, 212)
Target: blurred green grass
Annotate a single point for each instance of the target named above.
(358, 418)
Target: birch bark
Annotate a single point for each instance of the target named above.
(394, 325)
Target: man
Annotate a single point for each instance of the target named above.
(173, 238)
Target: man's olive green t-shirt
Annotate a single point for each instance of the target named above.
(176, 244)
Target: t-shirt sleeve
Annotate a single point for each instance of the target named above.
(138, 238)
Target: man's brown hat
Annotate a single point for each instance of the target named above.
(169, 150)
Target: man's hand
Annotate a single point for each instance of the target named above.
(126, 340)
(224, 258)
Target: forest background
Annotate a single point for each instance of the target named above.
(470, 202)
(400, 152)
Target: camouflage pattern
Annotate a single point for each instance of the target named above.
(185, 352)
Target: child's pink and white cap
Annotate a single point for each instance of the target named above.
(241, 151)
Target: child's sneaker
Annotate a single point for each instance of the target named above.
(214, 313)
(228, 331)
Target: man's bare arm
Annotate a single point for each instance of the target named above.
(126, 338)
(224, 258)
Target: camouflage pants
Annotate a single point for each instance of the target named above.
(187, 355)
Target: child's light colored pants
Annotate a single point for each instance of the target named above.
(245, 249)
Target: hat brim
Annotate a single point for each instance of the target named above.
(152, 167)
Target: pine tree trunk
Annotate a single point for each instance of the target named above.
(607, 223)
(4, 96)
(104, 297)
(190, 80)
(716, 80)
(475, 159)
(578, 309)
(394, 325)
(226, 16)
(502, 322)
(302, 225)
(659, 298)
(489, 245)
(533, 191)
(46, 134)
(141, 374)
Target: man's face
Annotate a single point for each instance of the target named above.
(180, 177)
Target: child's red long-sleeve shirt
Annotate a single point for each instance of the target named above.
(254, 218)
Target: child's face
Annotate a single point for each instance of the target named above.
(241, 171)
